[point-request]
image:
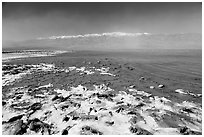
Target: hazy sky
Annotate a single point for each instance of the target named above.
(23, 21)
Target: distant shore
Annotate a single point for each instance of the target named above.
(8, 55)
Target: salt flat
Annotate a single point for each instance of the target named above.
(103, 93)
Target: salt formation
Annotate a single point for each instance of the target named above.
(100, 110)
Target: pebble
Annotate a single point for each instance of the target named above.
(161, 86)
(151, 87)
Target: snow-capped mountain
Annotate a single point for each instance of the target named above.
(110, 34)
(114, 41)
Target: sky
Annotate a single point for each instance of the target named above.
(24, 21)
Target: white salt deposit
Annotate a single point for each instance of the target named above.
(167, 131)
(62, 92)
(151, 87)
(181, 91)
(9, 79)
(108, 115)
(105, 73)
(161, 86)
(46, 86)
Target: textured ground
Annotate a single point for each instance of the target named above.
(102, 93)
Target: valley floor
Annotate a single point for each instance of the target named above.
(103, 93)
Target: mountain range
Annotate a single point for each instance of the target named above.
(112, 41)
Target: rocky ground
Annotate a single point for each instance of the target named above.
(97, 97)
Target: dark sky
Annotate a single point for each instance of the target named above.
(23, 21)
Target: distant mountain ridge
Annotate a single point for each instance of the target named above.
(110, 34)
(114, 41)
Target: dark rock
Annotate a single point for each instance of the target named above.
(37, 125)
(75, 117)
(108, 84)
(103, 109)
(131, 113)
(110, 99)
(133, 130)
(88, 117)
(90, 109)
(185, 130)
(77, 105)
(87, 130)
(64, 107)
(142, 78)
(36, 106)
(66, 119)
(188, 110)
(20, 128)
(140, 105)
(15, 118)
(62, 99)
(128, 104)
(111, 94)
(46, 129)
(110, 113)
(102, 95)
(130, 68)
(106, 96)
(96, 118)
(139, 131)
(3, 103)
(30, 89)
(64, 132)
(119, 110)
(48, 112)
(96, 132)
(7, 67)
(98, 101)
(77, 95)
(134, 120)
(15, 71)
(19, 96)
(109, 123)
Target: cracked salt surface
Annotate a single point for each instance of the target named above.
(10, 78)
(91, 70)
(80, 110)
